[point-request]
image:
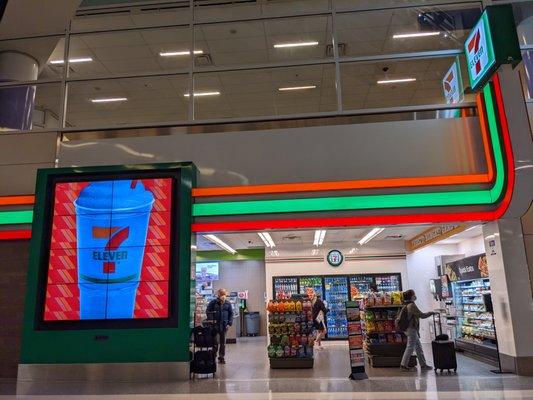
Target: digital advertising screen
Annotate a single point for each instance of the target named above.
(110, 250)
(207, 271)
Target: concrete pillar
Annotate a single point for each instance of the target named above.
(511, 294)
(17, 102)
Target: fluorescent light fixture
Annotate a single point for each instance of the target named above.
(371, 235)
(319, 237)
(220, 243)
(296, 44)
(200, 94)
(402, 80)
(179, 53)
(267, 239)
(72, 60)
(286, 89)
(415, 35)
(315, 252)
(274, 253)
(109, 100)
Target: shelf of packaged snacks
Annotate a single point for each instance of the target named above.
(384, 345)
(290, 329)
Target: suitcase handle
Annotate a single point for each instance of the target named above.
(436, 317)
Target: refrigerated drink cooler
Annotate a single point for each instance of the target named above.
(335, 290)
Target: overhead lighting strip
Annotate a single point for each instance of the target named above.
(295, 44)
(179, 53)
(415, 35)
(220, 243)
(370, 235)
(202, 94)
(291, 88)
(109, 100)
(267, 239)
(401, 80)
(320, 235)
(72, 60)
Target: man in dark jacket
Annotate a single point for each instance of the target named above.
(220, 311)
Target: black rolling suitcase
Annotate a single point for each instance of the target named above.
(443, 349)
(203, 355)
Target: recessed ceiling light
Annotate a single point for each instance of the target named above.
(402, 80)
(200, 94)
(319, 237)
(371, 235)
(284, 89)
(72, 60)
(179, 53)
(109, 100)
(296, 44)
(267, 239)
(223, 245)
(414, 35)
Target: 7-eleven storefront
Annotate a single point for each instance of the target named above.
(477, 176)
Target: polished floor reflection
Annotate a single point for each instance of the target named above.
(247, 376)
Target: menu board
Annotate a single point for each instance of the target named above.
(355, 341)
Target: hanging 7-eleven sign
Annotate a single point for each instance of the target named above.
(492, 42)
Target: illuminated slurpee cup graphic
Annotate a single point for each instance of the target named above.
(111, 224)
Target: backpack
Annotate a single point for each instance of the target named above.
(204, 336)
(402, 320)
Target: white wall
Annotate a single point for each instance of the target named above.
(472, 246)
(420, 269)
(299, 268)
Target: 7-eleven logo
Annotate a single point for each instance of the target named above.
(111, 254)
(474, 48)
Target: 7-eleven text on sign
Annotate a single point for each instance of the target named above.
(479, 51)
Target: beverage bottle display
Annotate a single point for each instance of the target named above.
(111, 225)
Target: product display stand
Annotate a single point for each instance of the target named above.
(355, 341)
(383, 344)
(290, 327)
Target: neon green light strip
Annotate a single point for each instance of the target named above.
(16, 217)
(374, 201)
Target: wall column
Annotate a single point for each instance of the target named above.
(511, 293)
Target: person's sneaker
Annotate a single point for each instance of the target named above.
(221, 361)
(407, 369)
(426, 368)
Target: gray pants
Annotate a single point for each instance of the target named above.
(220, 348)
(413, 344)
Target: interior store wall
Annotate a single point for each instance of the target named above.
(420, 269)
(237, 276)
(321, 267)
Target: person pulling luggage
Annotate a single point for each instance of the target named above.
(408, 321)
(220, 311)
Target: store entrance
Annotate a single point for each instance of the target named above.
(270, 276)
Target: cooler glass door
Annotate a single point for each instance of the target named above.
(313, 282)
(336, 296)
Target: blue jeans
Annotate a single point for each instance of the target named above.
(413, 344)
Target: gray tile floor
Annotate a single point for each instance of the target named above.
(247, 376)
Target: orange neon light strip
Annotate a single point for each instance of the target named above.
(17, 200)
(360, 184)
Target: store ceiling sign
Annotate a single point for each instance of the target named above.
(432, 235)
(474, 267)
(452, 84)
(491, 43)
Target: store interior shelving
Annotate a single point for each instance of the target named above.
(336, 288)
(475, 328)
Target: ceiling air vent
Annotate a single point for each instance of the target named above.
(291, 238)
(341, 47)
(393, 237)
